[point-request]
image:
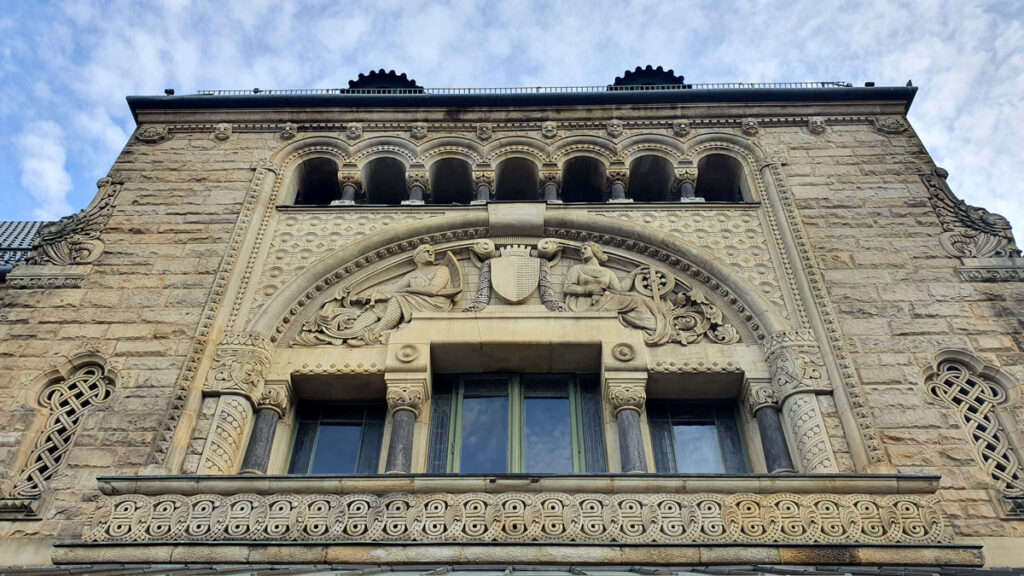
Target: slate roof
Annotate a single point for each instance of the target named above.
(16, 241)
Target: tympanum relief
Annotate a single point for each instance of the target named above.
(648, 298)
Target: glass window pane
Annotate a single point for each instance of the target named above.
(337, 449)
(697, 448)
(484, 435)
(547, 438)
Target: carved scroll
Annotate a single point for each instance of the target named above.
(970, 231)
(75, 239)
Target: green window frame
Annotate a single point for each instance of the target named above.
(711, 426)
(315, 451)
(450, 419)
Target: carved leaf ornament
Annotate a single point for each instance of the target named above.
(75, 239)
(970, 231)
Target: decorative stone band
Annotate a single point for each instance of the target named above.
(521, 517)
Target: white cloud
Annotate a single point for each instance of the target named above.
(41, 156)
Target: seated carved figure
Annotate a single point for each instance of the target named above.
(590, 286)
(428, 288)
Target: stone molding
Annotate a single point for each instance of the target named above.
(75, 239)
(984, 270)
(240, 365)
(45, 276)
(521, 517)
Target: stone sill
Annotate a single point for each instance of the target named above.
(464, 484)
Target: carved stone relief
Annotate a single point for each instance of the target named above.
(240, 365)
(522, 517)
(736, 240)
(75, 239)
(515, 274)
(225, 445)
(970, 231)
(369, 317)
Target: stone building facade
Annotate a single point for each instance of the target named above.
(650, 323)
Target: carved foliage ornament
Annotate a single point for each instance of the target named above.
(970, 231)
(66, 401)
(75, 239)
(521, 517)
(796, 363)
(240, 365)
(406, 396)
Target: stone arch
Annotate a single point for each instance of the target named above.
(450, 147)
(384, 146)
(567, 148)
(658, 144)
(516, 147)
(742, 297)
(749, 156)
(289, 158)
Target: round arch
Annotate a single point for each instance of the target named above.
(744, 298)
(743, 151)
(568, 148)
(450, 147)
(384, 146)
(657, 144)
(518, 146)
(289, 158)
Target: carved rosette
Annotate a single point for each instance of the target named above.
(406, 395)
(240, 365)
(627, 395)
(75, 239)
(970, 231)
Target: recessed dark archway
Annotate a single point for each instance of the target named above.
(517, 179)
(451, 181)
(316, 182)
(384, 181)
(720, 178)
(583, 180)
(650, 179)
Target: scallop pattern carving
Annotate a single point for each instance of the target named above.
(735, 238)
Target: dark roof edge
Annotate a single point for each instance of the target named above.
(903, 94)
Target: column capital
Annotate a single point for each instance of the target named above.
(407, 393)
(276, 396)
(239, 366)
(626, 391)
(759, 393)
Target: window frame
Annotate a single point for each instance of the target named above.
(723, 414)
(370, 465)
(515, 448)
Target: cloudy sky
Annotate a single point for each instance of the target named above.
(65, 67)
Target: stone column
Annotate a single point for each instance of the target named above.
(236, 378)
(551, 184)
(617, 180)
(418, 185)
(351, 184)
(797, 377)
(627, 395)
(483, 180)
(272, 406)
(406, 396)
(761, 401)
(686, 183)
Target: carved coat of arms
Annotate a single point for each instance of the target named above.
(515, 275)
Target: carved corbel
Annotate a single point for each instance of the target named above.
(75, 239)
(750, 127)
(240, 366)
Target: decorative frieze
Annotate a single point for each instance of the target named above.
(522, 517)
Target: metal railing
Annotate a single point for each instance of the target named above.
(524, 90)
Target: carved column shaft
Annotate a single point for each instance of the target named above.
(802, 416)
(405, 397)
(417, 184)
(761, 401)
(551, 185)
(686, 182)
(272, 407)
(350, 183)
(617, 180)
(627, 397)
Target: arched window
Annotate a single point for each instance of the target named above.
(720, 179)
(583, 180)
(316, 182)
(65, 400)
(650, 179)
(976, 400)
(517, 179)
(384, 181)
(451, 181)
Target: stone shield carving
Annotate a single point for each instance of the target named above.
(514, 278)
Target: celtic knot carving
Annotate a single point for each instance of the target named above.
(970, 231)
(975, 400)
(520, 517)
(66, 400)
(240, 364)
(75, 239)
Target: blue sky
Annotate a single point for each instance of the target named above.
(65, 67)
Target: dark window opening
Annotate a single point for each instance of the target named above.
(384, 181)
(650, 179)
(695, 437)
(317, 182)
(451, 181)
(338, 439)
(720, 179)
(583, 180)
(533, 423)
(517, 179)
